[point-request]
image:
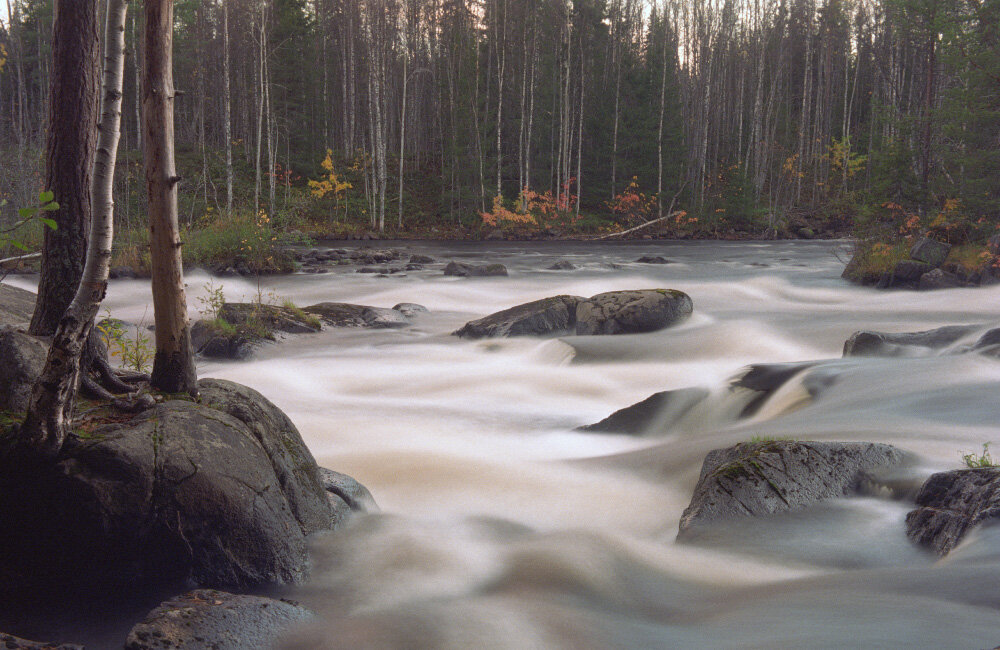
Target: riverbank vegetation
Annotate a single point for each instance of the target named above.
(462, 119)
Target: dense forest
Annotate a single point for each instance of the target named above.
(749, 118)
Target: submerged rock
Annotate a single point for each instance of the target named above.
(632, 312)
(539, 317)
(761, 478)
(950, 504)
(655, 413)
(206, 618)
(615, 312)
(223, 493)
(345, 494)
(867, 343)
(653, 259)
(461, 269)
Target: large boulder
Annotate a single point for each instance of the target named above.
(22, 358)
(654, 414)
(938, 279)
(867, 343)
(907, 272)
(930, 251)
(206, 618)
(469, 270)
(632, 312)
(766, 477)
(241, 327)
(950, 504)
(16, 306)
(223, 493)
(554, 315)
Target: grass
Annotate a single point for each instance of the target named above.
(248, 242)
(970, 257)
(758, 438)
(973, 460)
(311, 320)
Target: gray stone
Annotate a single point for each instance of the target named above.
(762, 478)
(22, 358)
(410, 308)
(950, 504)
(223, 493)
(541, 317)
(653, 259)
(654, 414)
(938, 279)
(421, 259)
(10, 642)
(930, 251)
(209, 340)
(461, 269)
(338, 314)
(16, 306)
(867, 343)
(381, 318)
(345, 494)
(632, 312)
(206, 619)
(562, 265)
(909, 271)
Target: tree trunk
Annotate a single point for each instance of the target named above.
(69, 162)
(227, 108)
(173, 364)
(52, 397)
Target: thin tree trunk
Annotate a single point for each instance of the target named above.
(173, 364)
(52, 398)
(227, 109)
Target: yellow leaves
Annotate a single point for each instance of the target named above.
(3, 56)
(327, 163)
(330, 183)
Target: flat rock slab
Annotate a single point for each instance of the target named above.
(868, 343)
(22, 358)
(950, 504)
(16, 306)
(930, 251)
(215, 620)
(655, 413)
(762, 478)
(614, 312)
(469, 270)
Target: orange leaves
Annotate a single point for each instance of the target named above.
(532, 210)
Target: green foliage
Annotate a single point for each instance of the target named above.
(312, 320)
(248, 242)
(213, 301)
(26, 217)
(134, 349)
(973, 460)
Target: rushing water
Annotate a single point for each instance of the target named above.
(502, 527)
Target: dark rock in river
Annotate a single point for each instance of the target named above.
(22, 358)
(761, 478)
(867, 343)
(950, 504)
(653, 259)
(16, 306)
(338, 314)
(223, 493)
(562, 265)
(211, 340)
(468, 270)
(216, 620)
(909, 271)
(410, 308)
(345, 494)
(9, 642)
(938, 279)
(381, 318)
(546, 316)
(632, 312)
(930, 251)
(615, 312)
(654, 414)
(241, 326)
(421, 259)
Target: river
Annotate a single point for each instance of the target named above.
(503, 527)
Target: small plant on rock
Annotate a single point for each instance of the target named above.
(973, 460)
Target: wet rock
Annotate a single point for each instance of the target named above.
(223, 493)
(410, 308)
(562, 265)
(950, 504)
(242, 326)
(345, 494)
(370, 256)
(381, 318)
(930, 251)
(461, 269)
(374, 269)
(16, 306)
(338, 314)
(216, 620)
(414, 267)
(761, 478)
(654, 414)
(10, 642)
(540, 317)
(22, 358)
(653, 259)
(632, 312)
(989, 343)
(907, 271)
(270, 318)
(766, 378)
(210, 339)
(421, 259)
(867, 343)
(938, 279)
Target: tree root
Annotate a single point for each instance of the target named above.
(100, 381)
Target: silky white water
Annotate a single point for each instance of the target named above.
(502, 527)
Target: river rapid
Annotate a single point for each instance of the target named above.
(503, 527)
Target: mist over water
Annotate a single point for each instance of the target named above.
(502, 527)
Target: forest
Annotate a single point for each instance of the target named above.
(457, 118)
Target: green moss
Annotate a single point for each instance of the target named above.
(871, 259)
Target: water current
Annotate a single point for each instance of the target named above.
(501, 526)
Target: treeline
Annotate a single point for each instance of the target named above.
(748, 112)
